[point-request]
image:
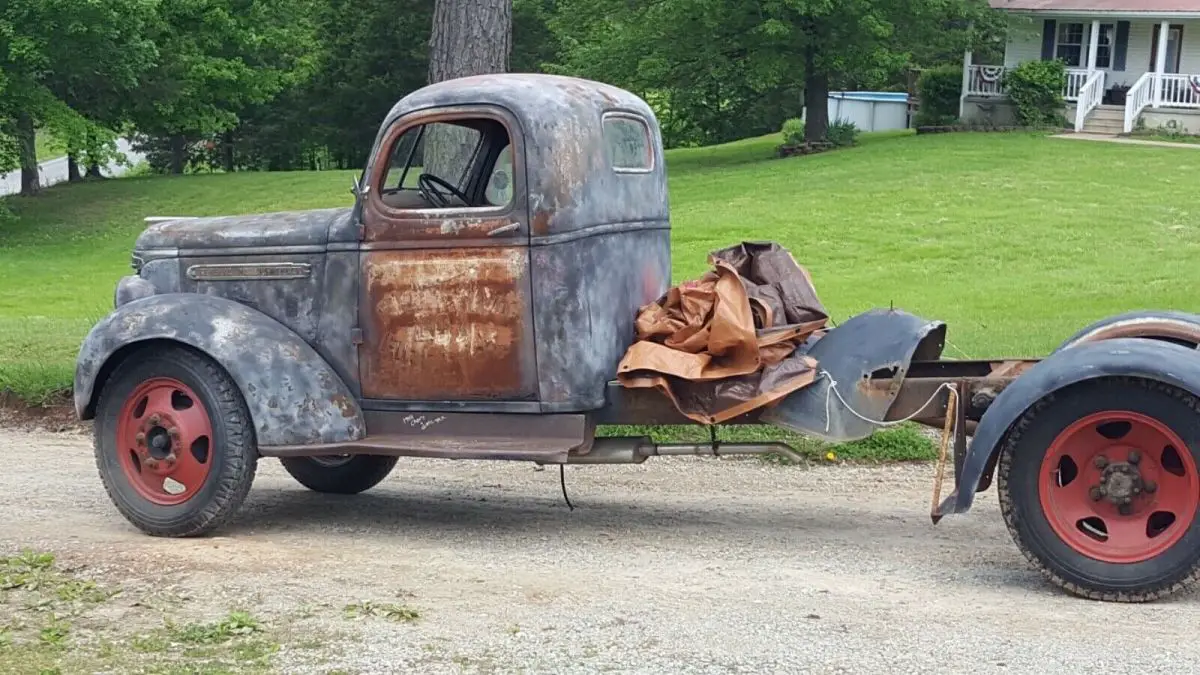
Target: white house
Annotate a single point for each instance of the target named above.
(1127, 60)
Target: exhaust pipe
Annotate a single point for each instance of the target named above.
(635, 450)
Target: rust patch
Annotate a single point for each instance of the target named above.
(450, 226)
(447, 324)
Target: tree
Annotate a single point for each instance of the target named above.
(50, 51)
(224, 57)
(469, 37)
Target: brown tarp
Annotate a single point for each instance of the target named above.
(732, 340)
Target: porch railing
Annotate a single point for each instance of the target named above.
(1075, 81)
(988, 82)
(1180, 91)
(1091, 94)
(1138, 98)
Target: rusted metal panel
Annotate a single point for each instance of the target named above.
(588, 292)
(293, 396)
(866, 359)
(450, 435)
(447, 324)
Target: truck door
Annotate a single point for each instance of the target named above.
(445, 306)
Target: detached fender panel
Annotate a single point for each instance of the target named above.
(876, 340)
(1129, 357)
(294, 397)
(1157, 324)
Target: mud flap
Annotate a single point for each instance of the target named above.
(877, 340)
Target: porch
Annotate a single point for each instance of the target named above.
(1118, 72)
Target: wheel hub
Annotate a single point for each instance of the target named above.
(164, 435)
(1120, 487)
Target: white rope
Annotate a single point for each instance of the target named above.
(833, 391)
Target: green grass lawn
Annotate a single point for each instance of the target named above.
(1015, 240)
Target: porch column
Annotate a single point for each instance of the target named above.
(1160, 61)
(1093, 47)
(966, 84)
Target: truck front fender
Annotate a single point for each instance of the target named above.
(1178, 327)
(1159, 360)
(293, 395)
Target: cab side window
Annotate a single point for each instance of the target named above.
(457, 164)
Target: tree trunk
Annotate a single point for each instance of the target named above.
(27, 150)
(73, 174)
(94, 171)
(816, 100)
(227, 151)
(469, 37)
(177, 153)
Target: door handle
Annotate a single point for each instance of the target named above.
(504, 228)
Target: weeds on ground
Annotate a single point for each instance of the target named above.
(389, 611)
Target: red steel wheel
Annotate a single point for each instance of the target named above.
(165, 437)
(174, 441)
(1099, 487)
(1119, 486)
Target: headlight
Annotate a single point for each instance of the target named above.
(132, 288)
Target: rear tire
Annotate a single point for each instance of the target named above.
(339, 475)
(174, 443)
(1069, 463)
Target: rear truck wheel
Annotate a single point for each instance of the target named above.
(1099, 487)
(175, 446)
(339, 474)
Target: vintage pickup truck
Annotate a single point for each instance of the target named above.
(476, 299)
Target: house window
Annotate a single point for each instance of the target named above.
(1073, 42)
(1070, 44)
(1105, 47)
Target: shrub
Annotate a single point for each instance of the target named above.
(793, 131)
(842, 133)
(939, 89)
(1035, 87)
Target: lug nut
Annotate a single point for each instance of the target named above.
(154, 419)
(151, 463)
(173, 432)
(1100, 462)
(1150, 487)
(140, 438)
(1125, 509)
(1134, 456)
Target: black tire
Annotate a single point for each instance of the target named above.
(232, 451)
(1171, 571)
(342, 476)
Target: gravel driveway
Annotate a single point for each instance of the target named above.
(680, 566)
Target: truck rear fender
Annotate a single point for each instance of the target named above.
(293, 395)
(1179, 327)
(1159, 360)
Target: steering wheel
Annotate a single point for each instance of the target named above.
(427, 185)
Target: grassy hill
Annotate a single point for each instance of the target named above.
(1015, 240)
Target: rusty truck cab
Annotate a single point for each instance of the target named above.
(511, 227)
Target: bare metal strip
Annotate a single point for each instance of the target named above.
(247, 271)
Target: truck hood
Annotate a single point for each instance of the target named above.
(317, 227)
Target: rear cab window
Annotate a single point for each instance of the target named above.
(627, 141)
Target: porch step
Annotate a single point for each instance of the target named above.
(1107, 113)
(1094, 126)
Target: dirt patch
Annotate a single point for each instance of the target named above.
(58, 416)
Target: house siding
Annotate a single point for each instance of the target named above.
(1025, 44)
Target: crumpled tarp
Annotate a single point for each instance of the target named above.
(732, 340)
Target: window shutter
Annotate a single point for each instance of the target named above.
(1048, 30)
(1121, 46)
